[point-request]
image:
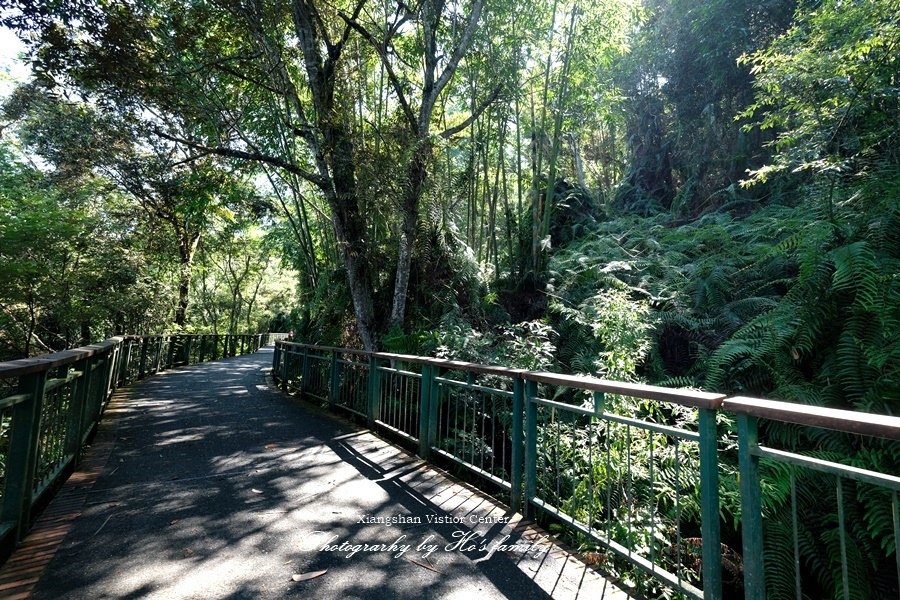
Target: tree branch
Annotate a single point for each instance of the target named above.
(451, 131)
(346, 34)
(251, 156)
(459, 51)
(381, 48)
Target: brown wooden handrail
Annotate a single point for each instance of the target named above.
(684, 397)
(849, 421)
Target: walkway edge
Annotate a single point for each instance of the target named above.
(24, 568)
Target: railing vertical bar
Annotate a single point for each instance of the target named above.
(530, 445)
(143, 364)
(842, 535)
(590, 437)
(159, 346)
(709, 505)
(425, 410)
(468, 436)
(796, 527)
(449, 406)
(76, 409)
(22, 457)
(628, 499)
(334, 388)
(493, 435)
(390, 406)
(751, 509)
(573, 441)
(396, 391)
(608, 479)
(434, 408)
(304, 373)
(374, 404)
(457, 399)
(403, 408)
(895, 506)
(107, 379)
(678, 511)
(175, 341)
(653, 506)
(276, 372)
(126, 360)
(411, 406)
(556, 418)
(517, 435)
(285, 359)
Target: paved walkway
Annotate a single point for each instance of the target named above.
(217, 485)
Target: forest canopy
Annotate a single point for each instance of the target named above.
(692, 194)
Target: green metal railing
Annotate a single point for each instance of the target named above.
(634, 469)
(820, 482)
(50, 407)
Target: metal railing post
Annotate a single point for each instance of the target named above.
(426, 435)
(284, 368)
(709, 505)
(518, 419)
(373, 406)
(170, 355)
(104, 360)
(126, 362)
(751, 509)
(530, 446)
(334, 387)
(143, 364)
(188, 342)
(304, 373)
(159, 348)
(275, 355)
(76, 409)
(23, 452)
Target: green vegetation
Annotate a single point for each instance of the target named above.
(680, 193)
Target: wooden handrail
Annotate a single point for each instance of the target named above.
(24, 366)
(684, 397)
(841, 420)
(849, 421)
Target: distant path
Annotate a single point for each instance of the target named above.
(216, 484)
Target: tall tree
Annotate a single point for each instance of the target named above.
(177, 188)
(441, 54)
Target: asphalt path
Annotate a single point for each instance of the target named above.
(221, 486)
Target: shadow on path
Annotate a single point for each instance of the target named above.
(219, 485)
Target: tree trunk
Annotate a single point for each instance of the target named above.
(349, 230)
(416, 178)
(576, 159)
(187, 247)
